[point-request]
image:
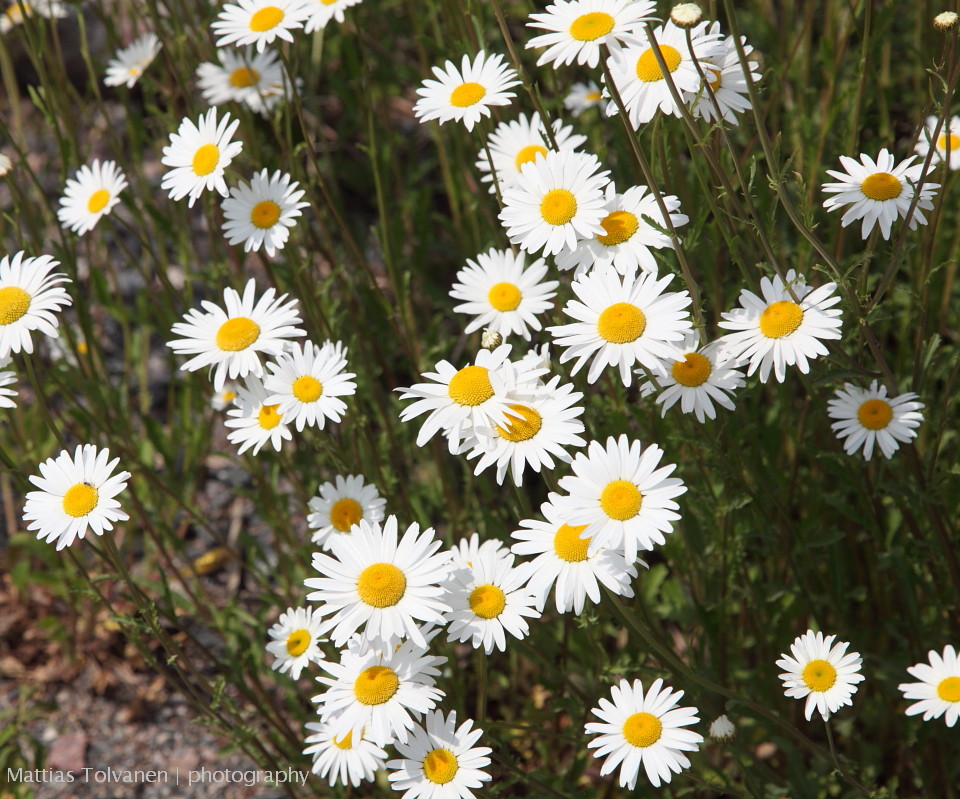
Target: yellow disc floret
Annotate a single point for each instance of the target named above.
(780, 319)
(344, 743)
(440, 766)
(307, 388)
(568, 545)
(268, 416)
(558, 207)
(621, 500)
(620, 226)
(266, 19)
(244, 77)
(648, 70)
(470, 386)
(80, 500)
(487, 601)
(588, 27)
(875, 414)
(98, 201)
(297, 642)
(529, 153)
(345, 513)
(948, 689)
(504, 297)
(525, 427)
(881, 186)
(621, 323)
(642, 729)
(467, 94)
(381, 585)
(954, 142)
(237, 334)
(265, 214)
(692, 371)
(819, 675)
(14, 303)
(205, 159)
(376, 685)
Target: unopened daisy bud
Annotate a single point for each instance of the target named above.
(490, 339)
(686, 15)
(721, 729)
(5, 165)
(945, 21)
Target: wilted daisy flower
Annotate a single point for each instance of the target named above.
(17, 10)
(697, 377)
(129, 63)
(878, 192)
(581, 97)
(938, 691)
(686, 15)
(640, 80)
(503, 293)
(627, 237)
(340, 506)
(777, 330)
(620, 494)
(823, 673)
(867, 418)
(224, 398)
(89, 195)
(721, 729)
(307, 382)
(622, 322)
(440, 760)
(637, 729)
(262, 212)
(198, 156)
(725, 78)
(295, 641)
(466, 94)
(255, 420)
(578, 28)
(948, 140)
(515, 143)
(30, 296)
(244, 76)
(258, 22)
(76, 493)
(348, 760)
(556, 201)
(7, 379)
(322, 11)
(233, 339)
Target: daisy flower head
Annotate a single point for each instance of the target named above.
(307, 382)
(622, 322)
(7, 379)
(440, 760)
(565, 563)
(198, 155)
(646, 729)
(576, 29)
(320, 12)
(341, 505)
(244, 76)
(784, 327)
(233, 338)
(556, 201)
(256, 421)
(879, 192)
(347, 760)
(129, 63)
(466, 94)
(76, 494)
(30, 297)
(536, 358)
(623, 495)
(375, 581)
(867, 417)
(627, 239)
(225, 398)
(89, 195)
(938, 691)
(467, 551)
(261, 212)
(581, 97)
(697, 377)
(5, 165)
(947, 147)
(640, 79)
(295, 641)
(258, 22)
(17, 10)
(726, 82)
(822, 672)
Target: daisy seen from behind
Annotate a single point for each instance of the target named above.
(30, 298)
(341, 505)
(347, 760)
(582, 97)
(295, 641)
(823, 673)
(258, 22)
(868, 418)
(643, 729)
(76, 494)
(947, 147)
(90, 195)
(128, 64)
(7, 379)
(938, 692)
(244, 76)
(320, 12)
(256, 421)
(262, 212)
(725, 84)
(198, 155)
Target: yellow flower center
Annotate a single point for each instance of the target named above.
(467, 94)
(440, 766)
(268, 417)
(504, 297)
(345, 513)
(237, 334)
(819, 675)
(297, 642)
(642, 729)
(376, 685)
(265, 214)
(528, 154)
(693, 371)
(487, 601)
(648, 70)
(621, 500)
(381, 585)
(949, 689)
(266, 19)
(568, 545)
(228, 396)
(98, 201)
(243, 77)
(780, 319)
(344, 743)
(523, 428)
(80, 500)
(588, 27)
(592, 97)
(881, 186)
(14, 303)
(307, 388)
(558, 207)
(954, 142)
(620, 226)
(470, 386)
(205, 159)
(621, 323)
(875, 414)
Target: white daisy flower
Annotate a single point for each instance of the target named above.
(536, 358)
(581, 97)
(262, 212)
(947, 145)
(129, 63)
(697, 377)
(627, 237)
(258, 22)
(30, 296)
(440, 760)
(503, 293)
(198, 156)
(727, 82)
(347, 760)
(777, 330)
(225, 398)
(879, 192)
(556, 201)
(648, 730)
(518, 142)
(466, 94)
(382, 584)
(244, 76)
(233, 339)
(76, 494)
(17, 10)
(295, 641)
(255, 420)
(341, 505)
(565, 563)
(89, 195)
(320, 12)
(7, 379)
(621, 322)
(465, 552)
(578, 28)
(938, 691)
(823, 673)
(622, 496)
(868, 417)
